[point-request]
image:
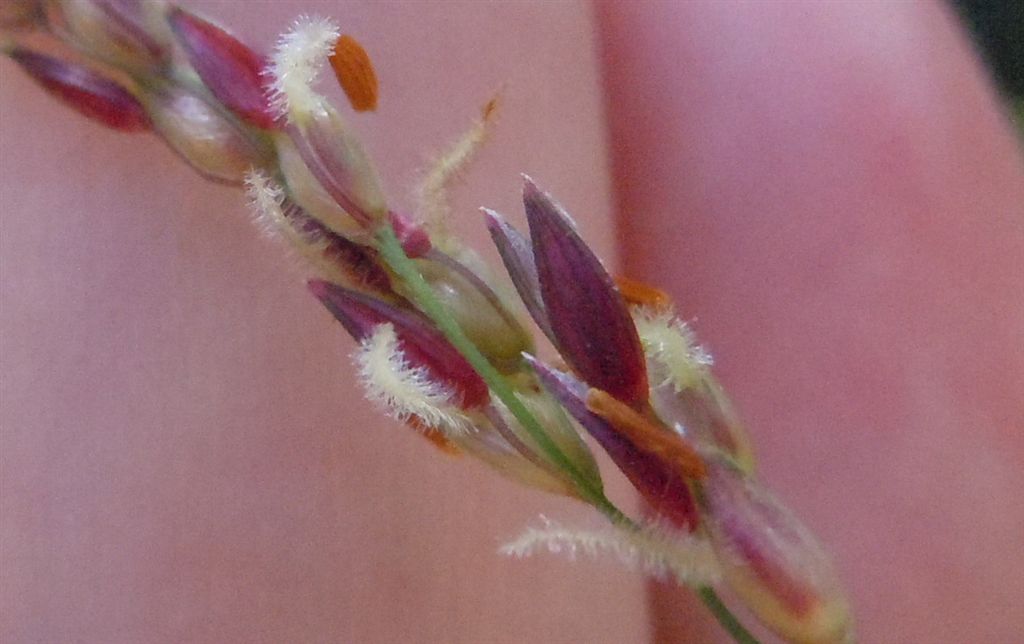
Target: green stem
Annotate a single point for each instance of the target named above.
(394, 255)
(724, 616)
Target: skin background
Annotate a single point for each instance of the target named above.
(830, 192)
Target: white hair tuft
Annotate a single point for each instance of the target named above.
(672, 348)
(404, 390)
(687, 558)
(295, 65)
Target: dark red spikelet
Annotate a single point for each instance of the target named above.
(589, 319)
(82, 89)
(231, 70)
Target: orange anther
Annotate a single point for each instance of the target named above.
(354, 71)
(490, 107)
(639, 294)
(646, 434)
(433, 435)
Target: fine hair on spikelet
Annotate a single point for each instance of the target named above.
(402, 390)
(659, 552)
(432, 189)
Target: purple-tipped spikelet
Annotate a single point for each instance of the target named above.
(439, 347)
(232, 71)
(92, 95)
(589, 320)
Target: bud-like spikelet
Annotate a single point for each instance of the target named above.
(87, 92)
(306, 190)
(480, 313)
(559, 429)
(661, 483)
(772, 561)
(204, 134)
(423, 345)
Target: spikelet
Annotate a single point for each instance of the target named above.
(671, 348)
(663, 554)
(402, 390)
(295, 64)
(560, 430)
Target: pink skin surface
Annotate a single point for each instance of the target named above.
(831, 192)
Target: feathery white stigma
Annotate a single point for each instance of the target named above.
(265, 198)
(296, 62)
(432, 191)
(404, 390)
(672, 347)
(686, 558)
(267, 202)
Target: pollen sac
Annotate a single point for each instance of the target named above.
(660, 482)
(589, 320)
(772, 561)
(208, 138)
(423, 345)
(130, 34)
(355, 74)
(638, 293)
(231, 70)
(92, 95)
(647, 433)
